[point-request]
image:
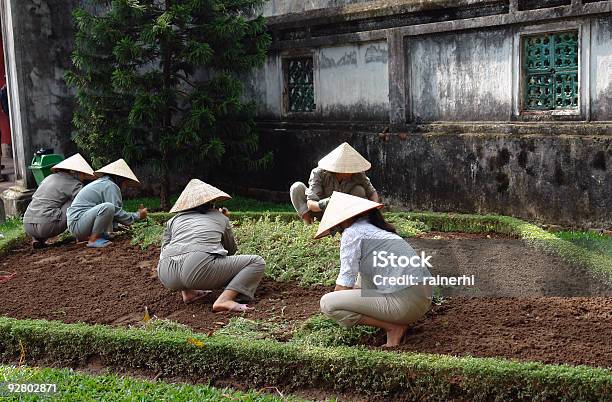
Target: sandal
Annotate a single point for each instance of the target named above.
(7, 277)
(99, 243)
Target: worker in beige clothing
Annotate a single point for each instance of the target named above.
(379, 303)
(197, 252)
(46, 215)
(341, 170)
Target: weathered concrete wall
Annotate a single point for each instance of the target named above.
(550, 178)
(40, 43)
(48, 37)
(601, 68)
(353, 81)
(280, 7)
(460, 76)
(265, 86)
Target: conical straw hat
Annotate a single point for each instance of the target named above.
(344, 159)
(76, 163)
(119, 168)
(342, 207)
(198, 193)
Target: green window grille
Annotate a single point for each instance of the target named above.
(551, 71)
(300, 84)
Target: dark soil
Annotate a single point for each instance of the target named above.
(71, 283)
(112, 286)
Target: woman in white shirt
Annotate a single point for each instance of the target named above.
(392, 294)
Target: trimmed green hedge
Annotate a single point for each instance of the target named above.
(75, 386)
(265, 362)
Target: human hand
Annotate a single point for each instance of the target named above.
(142, 213)
(323, 203)
(224, 211)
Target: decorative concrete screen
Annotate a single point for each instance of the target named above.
(551, 68)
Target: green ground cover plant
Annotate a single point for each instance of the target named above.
(598, 242)
(237, 203)
(319, 330)
(255, 329)
(288, 247)
(76, 386)
(260, 362)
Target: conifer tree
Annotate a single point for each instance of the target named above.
(157, 83)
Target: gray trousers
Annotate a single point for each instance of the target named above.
(205, 271)
(96, 220)
(297, 193)
(403, 307)
(46, 230)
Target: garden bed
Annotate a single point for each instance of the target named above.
(70, 283)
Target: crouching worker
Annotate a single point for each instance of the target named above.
(340, 170)
(46, 215)
(197, 252)
(98, 208)
(380, 302)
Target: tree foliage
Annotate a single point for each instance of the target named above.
(157, 82)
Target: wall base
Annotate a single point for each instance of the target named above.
(16, 200)
(551, 178)
(7, 150)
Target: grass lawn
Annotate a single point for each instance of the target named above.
(75, 386)
(11, 233)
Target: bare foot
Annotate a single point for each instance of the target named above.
(189, 296)
(232, 306)
(307, 218)
(395, 335)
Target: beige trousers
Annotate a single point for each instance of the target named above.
(403, 307)
(297, 193)
(205, 271)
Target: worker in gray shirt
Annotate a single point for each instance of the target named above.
(46, 215)
(341, 170)
(99, 206)
(198, 250)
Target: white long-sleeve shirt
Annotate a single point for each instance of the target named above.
(359, 245)
(350, 248)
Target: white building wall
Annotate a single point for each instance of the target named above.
(460, 76)
(601, 69)
(353, 81)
